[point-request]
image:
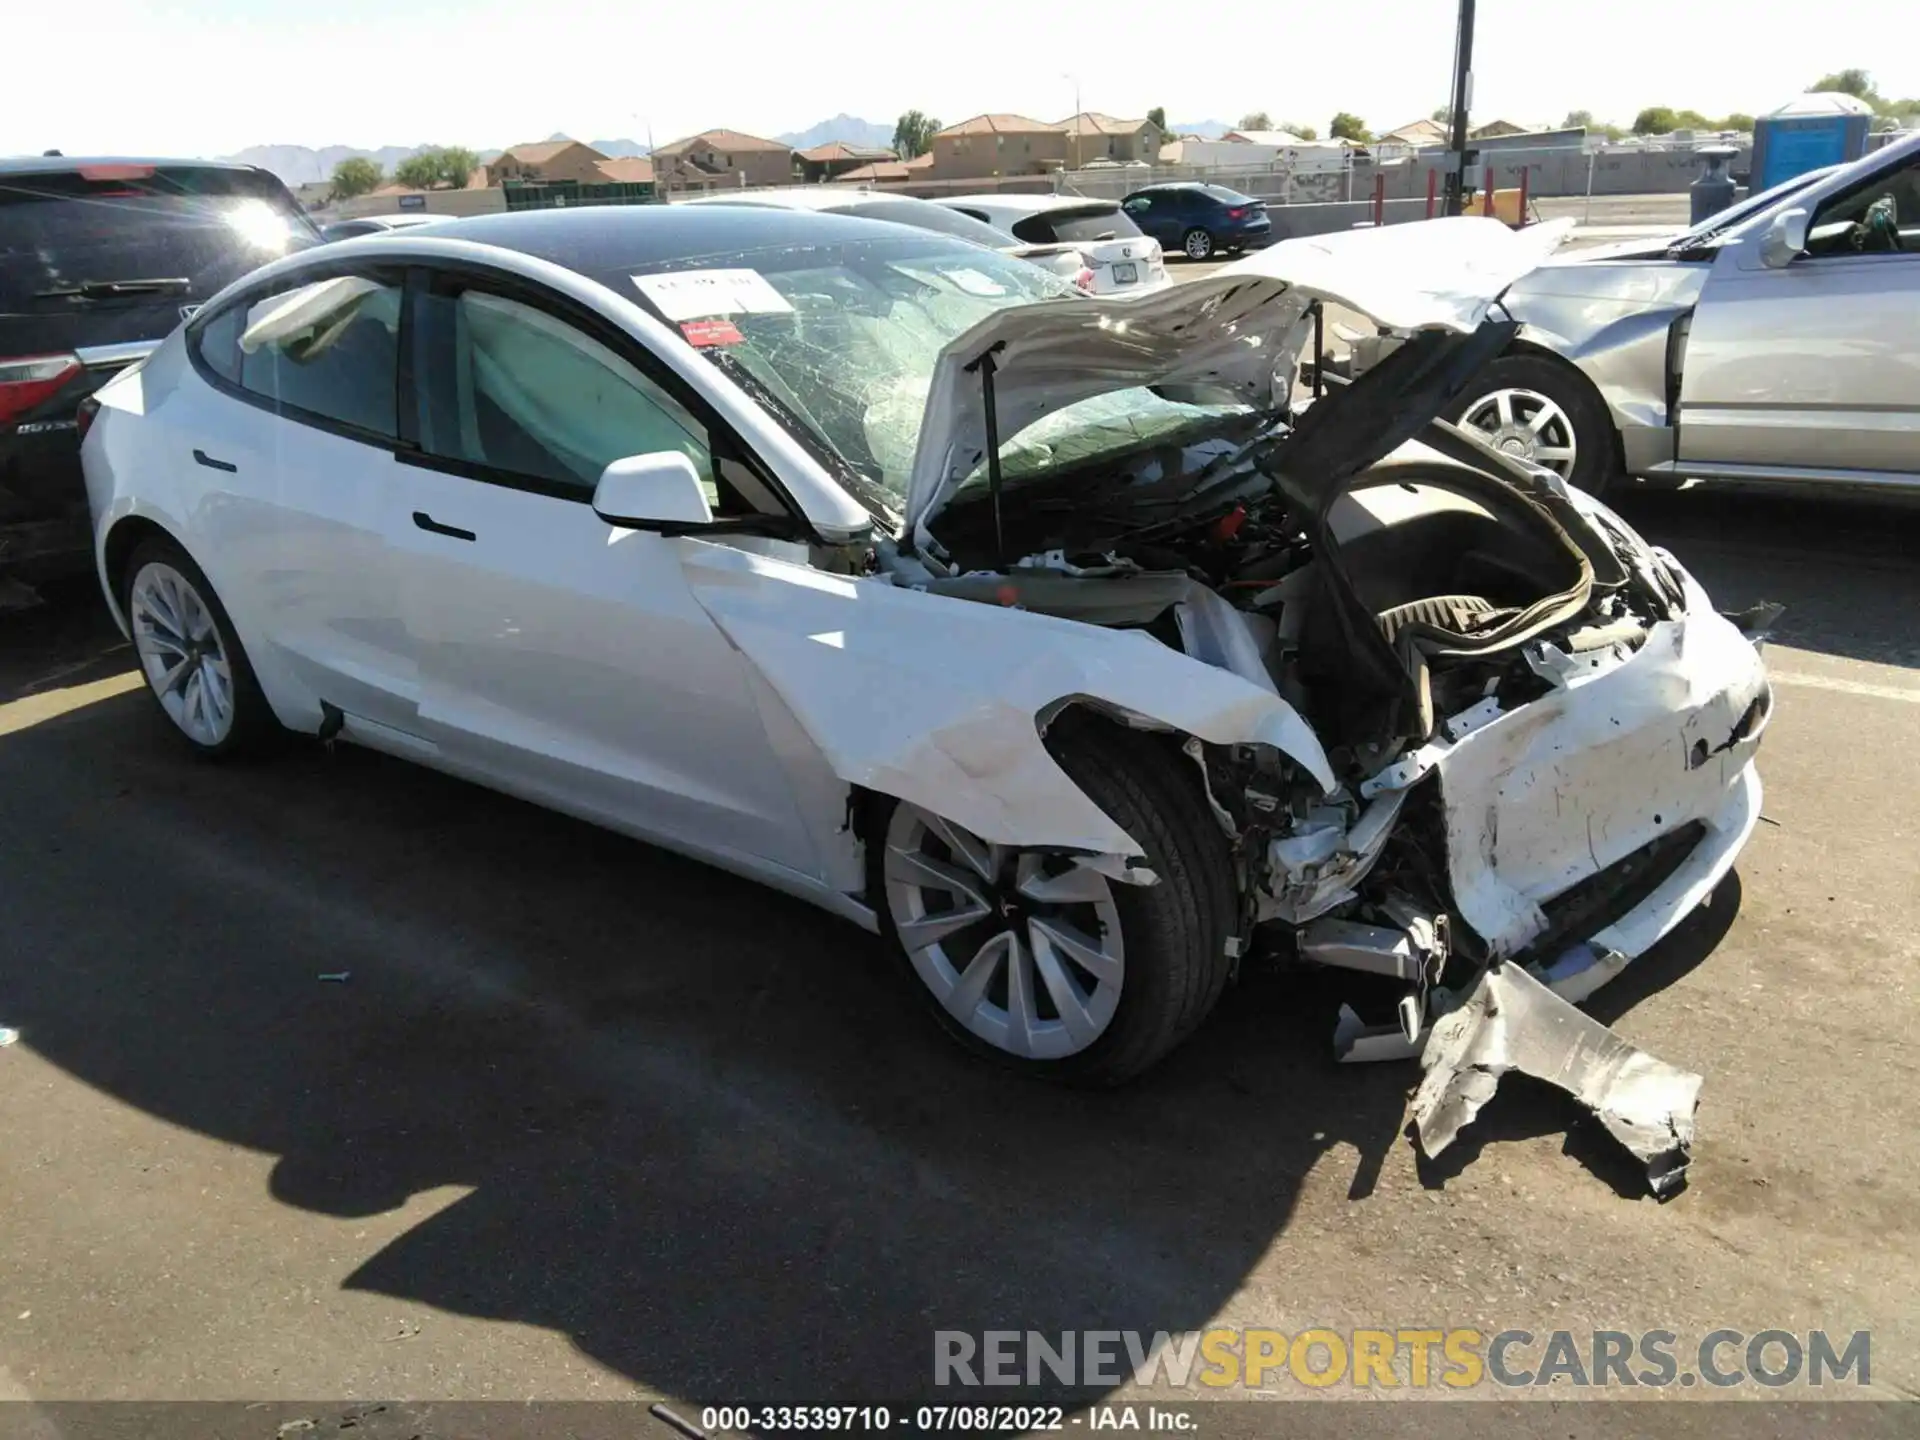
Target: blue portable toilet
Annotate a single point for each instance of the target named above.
(1824, 128)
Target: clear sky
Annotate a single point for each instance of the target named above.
(205, 77)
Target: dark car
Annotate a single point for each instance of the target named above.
(99, 259)
(1200, 220)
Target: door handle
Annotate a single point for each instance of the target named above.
(427, 522)
(212, 464)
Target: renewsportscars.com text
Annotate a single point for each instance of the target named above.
(1457, 1359)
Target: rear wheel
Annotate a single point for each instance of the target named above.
(1052, 967)
(1543, 411)
(1197, 244)
(194, 666)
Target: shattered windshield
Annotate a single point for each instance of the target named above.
(840, 341)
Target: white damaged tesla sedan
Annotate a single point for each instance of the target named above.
(1060, 641)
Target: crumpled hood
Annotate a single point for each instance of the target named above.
(1240, 329)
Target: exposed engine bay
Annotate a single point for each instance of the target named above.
(1402, 605)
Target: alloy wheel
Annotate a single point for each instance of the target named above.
(182, 652)
(1198, 245)
(1020, 947)
(1526, 425)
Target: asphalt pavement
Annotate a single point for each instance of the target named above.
(337, 1078)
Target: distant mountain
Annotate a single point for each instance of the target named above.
(302, 165)
(1205, 129)
(841, 127)
(616, 149)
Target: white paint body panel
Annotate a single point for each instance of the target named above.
(937, 700)
(567, 658)
(722, 698)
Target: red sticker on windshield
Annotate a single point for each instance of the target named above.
(711, 332)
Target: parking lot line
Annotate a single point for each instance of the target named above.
(1844, 687)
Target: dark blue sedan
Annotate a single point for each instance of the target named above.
(1199, 221)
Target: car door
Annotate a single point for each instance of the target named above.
(1147, 212)
(1813, 366)
(562, 658)
(303, 444)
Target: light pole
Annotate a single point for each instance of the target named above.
(1074, 133)
(1462, 102)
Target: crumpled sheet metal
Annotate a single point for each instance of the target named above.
(1511, 1021)
(938, 702)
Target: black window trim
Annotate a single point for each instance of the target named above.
(732, 446)
(414, 274)
(280, 285)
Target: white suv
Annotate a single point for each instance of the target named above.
(1122, 261)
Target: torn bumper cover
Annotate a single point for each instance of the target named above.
(1510, 1021)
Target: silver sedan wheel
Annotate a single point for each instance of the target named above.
(1198, 245)
(1021, 948)
(182, 653)
(1526, 425)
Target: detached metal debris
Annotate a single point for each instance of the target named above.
(1511, 1021)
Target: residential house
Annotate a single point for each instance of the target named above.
(1494, 129)
(1279, 139)
(626, 170)
(722, 160)
(548, 160)
(989, 145)
(890, 172)
(836, 158)
(1420, 134)
(1093, 136)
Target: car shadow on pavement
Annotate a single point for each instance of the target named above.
(1841, 563)
(704, 1130)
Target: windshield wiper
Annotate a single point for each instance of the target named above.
(112, 289)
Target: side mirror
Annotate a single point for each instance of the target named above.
(1785, 240)
(652, 492)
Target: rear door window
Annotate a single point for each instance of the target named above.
(1104, 222)
(328, 350)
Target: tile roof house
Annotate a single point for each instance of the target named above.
(1417, 134)
(548, 160)
(998, 144)
(1280, 138)
(1093, 136)
(626, 170)
(891, 172)
(722, 159)
(836, 158)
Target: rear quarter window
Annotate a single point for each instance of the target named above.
(217, 342)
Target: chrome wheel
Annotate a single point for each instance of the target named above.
(1021, 948)
(1198, 245)
(1526, 425)
(181, 650)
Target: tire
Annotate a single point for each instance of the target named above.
(1595, 465)
(160, 579)
(1197, 244)
(1173, 934)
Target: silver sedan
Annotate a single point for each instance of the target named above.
(1779, 342)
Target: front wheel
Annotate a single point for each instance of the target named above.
(1543, 411)
(1197, 244)
(1046, 965)
(195, 668)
